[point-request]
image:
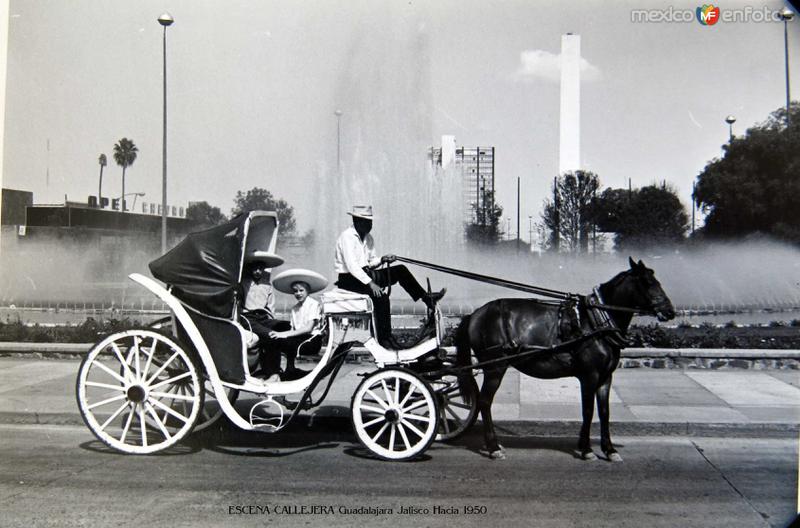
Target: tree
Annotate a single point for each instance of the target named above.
(485, 230)
(124, 154)
(651, 216)
(202, 215)
(261, 199)
(568, 215)
(103, 162)
(755, 187)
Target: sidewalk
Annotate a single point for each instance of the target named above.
(701, 402)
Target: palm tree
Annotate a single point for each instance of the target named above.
(124, 154)
(103, 163)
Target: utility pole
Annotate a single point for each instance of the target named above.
(517, 214)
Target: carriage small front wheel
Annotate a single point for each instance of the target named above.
(394, 414)
(139, 392)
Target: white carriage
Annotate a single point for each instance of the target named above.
(141, 391)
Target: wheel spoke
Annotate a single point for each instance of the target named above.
(417, 417)
(183, 392)
(397, 390)
(127, 424)
(161, 368)
(111, 372)
(378, 400)
(105, 386)
(143, 425)
(392, 432)
(386, 391)
(149, 359)
(405, 437)
(164, 395)
(137, 358)
(373, 421)
(411, 426)
(445, 423)
(375, 438)
(452, 413)
(412, 389)
(113, 416)
(171, 380)
(415, 405)
(105, 402)
(372, 409)
(170, 411)
(153, 413)
(451, 403)
(125, 367)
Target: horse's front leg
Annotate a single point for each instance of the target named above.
(491, 382)
(588, 389)
(604, 412)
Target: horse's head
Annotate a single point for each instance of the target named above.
(645, 292)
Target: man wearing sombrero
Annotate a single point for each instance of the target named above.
(357, 265)
(258, 311)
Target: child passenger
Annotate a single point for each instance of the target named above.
(305, 336)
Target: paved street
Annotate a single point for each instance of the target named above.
(62, 476)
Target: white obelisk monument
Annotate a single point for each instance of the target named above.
(570, 130)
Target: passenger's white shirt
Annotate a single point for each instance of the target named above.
(307, 312)
(259, 296)
(352, 254)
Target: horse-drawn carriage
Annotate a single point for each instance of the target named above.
(143, 390)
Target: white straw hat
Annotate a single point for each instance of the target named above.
(361, 211)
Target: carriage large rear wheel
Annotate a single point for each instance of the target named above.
(457, 403)
(394, 414)
(139, 392)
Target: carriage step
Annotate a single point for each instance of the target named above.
(268, 424)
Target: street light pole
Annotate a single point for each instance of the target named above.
(338, 114)
(730, 120)
(786, 14)
(165, 20)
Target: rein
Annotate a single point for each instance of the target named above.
(536, 290)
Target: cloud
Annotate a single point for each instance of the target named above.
(540, 64)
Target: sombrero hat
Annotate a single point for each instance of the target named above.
(283, 281)
(271, 260)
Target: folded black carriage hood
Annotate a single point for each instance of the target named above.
(203, 269)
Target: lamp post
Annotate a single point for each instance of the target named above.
(165, 20)
(730, 120)
(338, 114)
(786, 15)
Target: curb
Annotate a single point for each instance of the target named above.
(69, 349)
(341, 426)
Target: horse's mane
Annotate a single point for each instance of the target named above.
(615, 280)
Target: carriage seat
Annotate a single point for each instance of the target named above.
(339, 301)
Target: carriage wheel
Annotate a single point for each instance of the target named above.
(457, 401)
(139, 392)
(394, 414)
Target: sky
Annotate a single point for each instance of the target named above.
(253, 86)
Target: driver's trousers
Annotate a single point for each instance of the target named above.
(383, 277)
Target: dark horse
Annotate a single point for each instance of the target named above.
(503, 328)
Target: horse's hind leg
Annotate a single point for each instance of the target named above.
(588, 389)
(603, 411)
(491, 382)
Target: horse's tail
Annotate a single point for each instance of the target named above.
(461, 339)
(463, 357)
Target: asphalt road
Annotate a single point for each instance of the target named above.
(62, 476)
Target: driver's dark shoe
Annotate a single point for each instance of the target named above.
(292, 374)
(430, 299)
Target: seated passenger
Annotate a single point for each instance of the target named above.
(258, 312)
(305, 336)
